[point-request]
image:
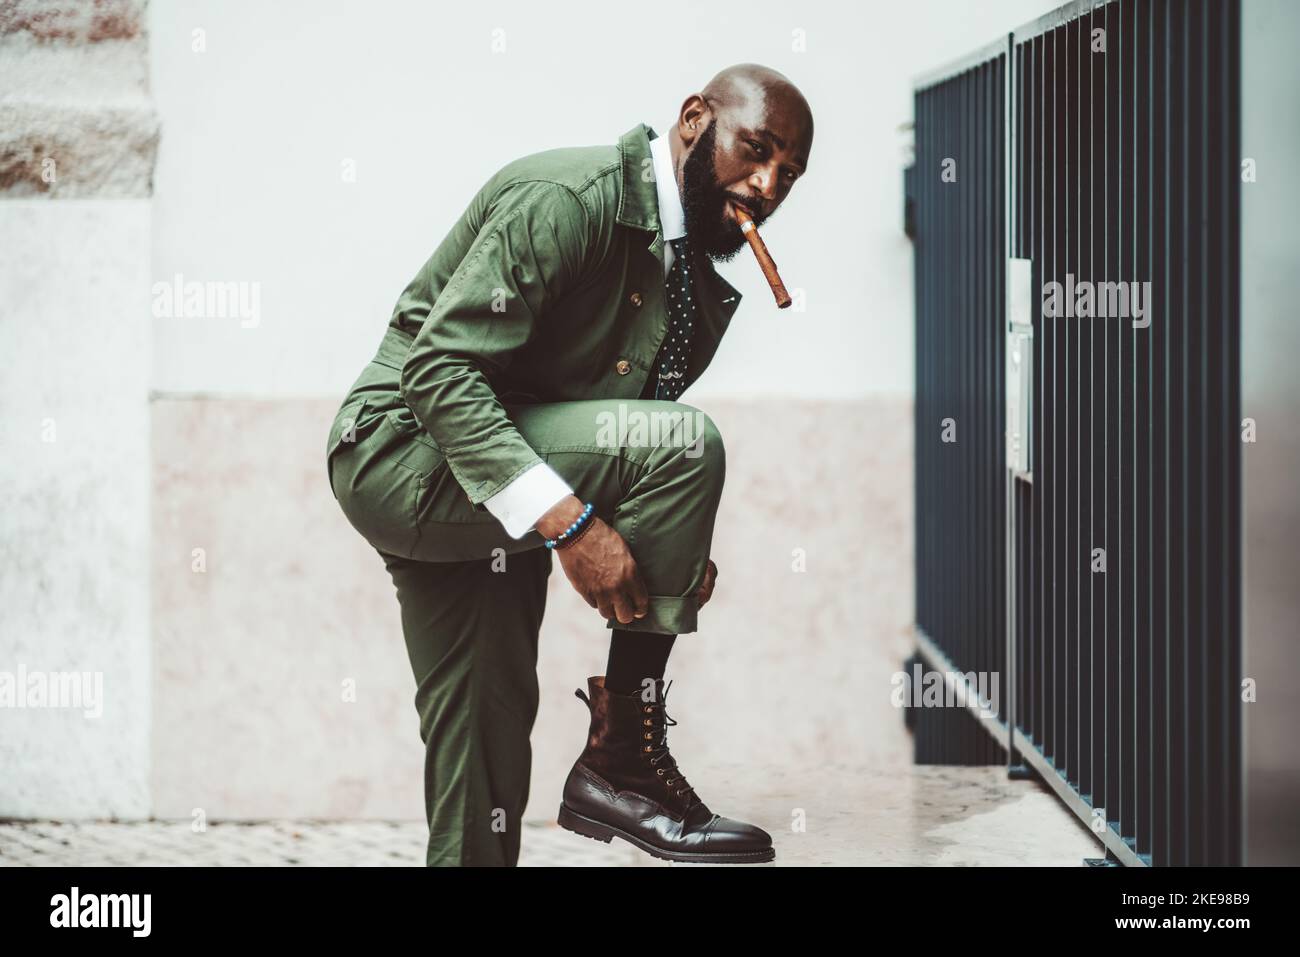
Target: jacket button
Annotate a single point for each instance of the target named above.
(623, 367)
(635, 298)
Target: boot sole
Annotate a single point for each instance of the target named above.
(571, 820)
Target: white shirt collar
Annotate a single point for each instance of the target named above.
(672, 218)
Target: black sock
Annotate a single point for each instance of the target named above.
(635, 656)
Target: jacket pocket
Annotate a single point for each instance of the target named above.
(416, 450)
(374, 480)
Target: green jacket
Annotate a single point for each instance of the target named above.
(549, 288)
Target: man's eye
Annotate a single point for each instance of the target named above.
(756, 147)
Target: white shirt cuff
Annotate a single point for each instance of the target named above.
(521, 503)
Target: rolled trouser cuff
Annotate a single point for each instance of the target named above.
(666, 615)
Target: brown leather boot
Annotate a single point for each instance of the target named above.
(626, 784)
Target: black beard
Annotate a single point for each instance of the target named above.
(704, 204)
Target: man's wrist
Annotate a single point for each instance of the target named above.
(560, 516)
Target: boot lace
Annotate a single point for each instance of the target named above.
(655, 724)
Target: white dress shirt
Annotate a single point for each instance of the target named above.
(520, 504)
(672, 218)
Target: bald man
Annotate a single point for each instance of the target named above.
(525, 402)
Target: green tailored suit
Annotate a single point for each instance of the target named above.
(530, 335)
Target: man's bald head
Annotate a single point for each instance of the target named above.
(749, 87)
(743, 140)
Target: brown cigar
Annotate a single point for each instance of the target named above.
(763, 256)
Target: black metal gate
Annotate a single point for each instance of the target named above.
(1122, 646)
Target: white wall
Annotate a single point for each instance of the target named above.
(249, 184)
(74, 530)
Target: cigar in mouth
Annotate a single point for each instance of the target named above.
(763, 256)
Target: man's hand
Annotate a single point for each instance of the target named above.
(706, 590)
(599, 565)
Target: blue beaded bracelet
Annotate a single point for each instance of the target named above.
(580, 521)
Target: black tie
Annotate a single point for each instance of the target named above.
(675, 352)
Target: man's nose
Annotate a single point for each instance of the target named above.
(763, 182)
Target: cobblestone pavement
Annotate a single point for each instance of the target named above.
(272, 843)
(898, 815)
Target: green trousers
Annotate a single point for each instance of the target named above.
(472, 597)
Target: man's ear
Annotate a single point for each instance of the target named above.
(693, 118)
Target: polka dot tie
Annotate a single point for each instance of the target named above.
(676, 349)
